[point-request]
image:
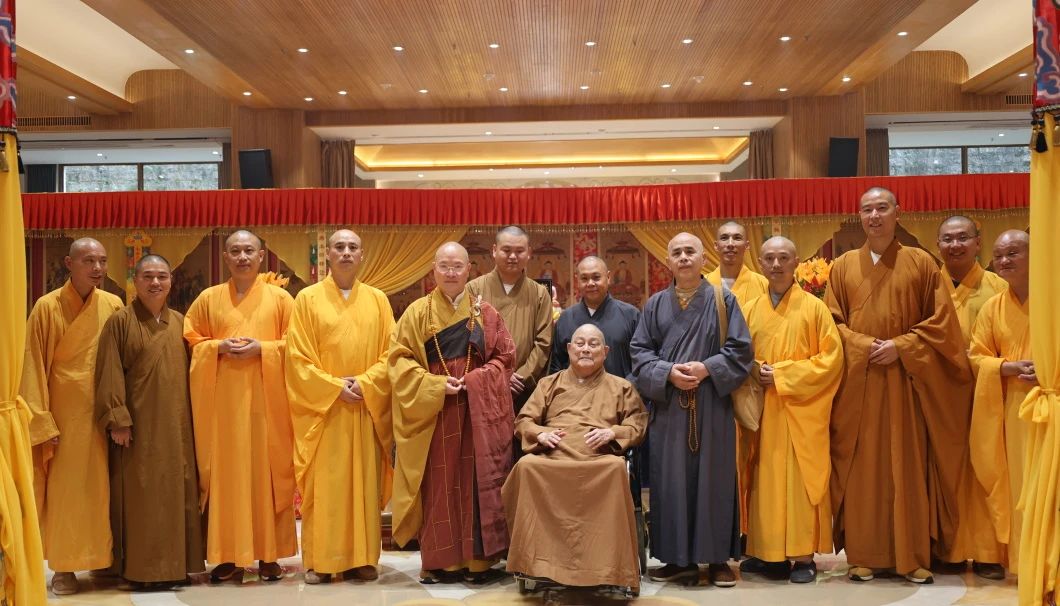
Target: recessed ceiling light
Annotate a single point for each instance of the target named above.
(190, 51)
(846, 78)
(686, 41)
(303, 50)
(717, 128)
(673, 170)
(903, 33)
(747, 83)
(489, 132)
(584, 87)
(398, 48)
(783, 89)
(420, 175)
(342, 92)
(216, 153)
(71, 97)
(99, 155)
(785, 38)
(590, 43)
(494, 45)
(665, 85)
(308, 98)
(491, 170)
(246, 93)
(1022, 74)
(1001, 134)
(423, 91)
(503, 89)
(547, 173)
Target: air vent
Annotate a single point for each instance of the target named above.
(1018, 99)
(56, 121)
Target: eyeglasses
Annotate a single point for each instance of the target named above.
(451, 269)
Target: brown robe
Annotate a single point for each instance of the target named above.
(569, 509)
(899, 432)
(142, 382)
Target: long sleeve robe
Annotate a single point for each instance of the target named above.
(998, 435)
(617, 319)
(142, 382)
(71, 479)
(342, 450)
(584, 534)
(791, 514)
(975, 538)
(241, 414)
(694, 510)
(453, 451)
(899, 433)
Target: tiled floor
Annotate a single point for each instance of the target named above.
(398, 585)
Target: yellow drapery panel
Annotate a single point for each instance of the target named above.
(810, 233)
(23, 576)
(991, 226)
(654, 237)
(292, 247)
(113, 242)
(925, 228)
(175, 247)
(1040, 538)
(395, 258)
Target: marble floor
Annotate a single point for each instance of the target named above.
(398, 586)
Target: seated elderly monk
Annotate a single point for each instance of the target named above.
(568, 506)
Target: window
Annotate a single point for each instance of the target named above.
(101, 177)
(146, 177)
(925, 161)
(1008, 159)
(181, 176)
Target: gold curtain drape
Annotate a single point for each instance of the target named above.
(396, 258)
(760, 155)
(810, 233)
(292, 247)
(337, 165)
(1040, 539)
(654, 238)
(925, 228)
(113, 243)
(176, 247)
(877, 152)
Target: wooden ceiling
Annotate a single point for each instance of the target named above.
(542, 58)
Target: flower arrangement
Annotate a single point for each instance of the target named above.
(275, 279)
(812, 275)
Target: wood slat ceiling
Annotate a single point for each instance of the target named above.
(542, 58)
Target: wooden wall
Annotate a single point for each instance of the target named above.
(801, 139)
(295, 148)
(929, 81)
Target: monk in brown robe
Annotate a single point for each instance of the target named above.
(577, 424)
(899, 425)
(142, 403)
(450, 361)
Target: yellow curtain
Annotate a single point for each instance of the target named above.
(925, 228)
(176, 246)
(395, 258)
(1040, 501)
(991, 226)
(810, 233)
(654, 237)
(20, 543)
(292, 247)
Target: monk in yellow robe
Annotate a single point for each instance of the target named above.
(746, 285)
(71, 477)
(970, 286)
(1001, 357)
(899, 427)
(450, 362)
(340, 404)
(525, 306)
(243, 438)
(800, 354)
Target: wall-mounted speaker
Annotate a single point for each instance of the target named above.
(255, 169)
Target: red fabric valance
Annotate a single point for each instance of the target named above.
(571, 206)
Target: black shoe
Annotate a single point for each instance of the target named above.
(762, 567)
(994, 572)
(673, 572)
(803, 572)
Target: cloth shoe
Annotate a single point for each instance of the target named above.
(64, 583)
(994, 572)
(769, 569)
(803, 572)
(861, 573)
(673, 572)
(361, 573)
(313, 577)
(920, 577)
(721, 575)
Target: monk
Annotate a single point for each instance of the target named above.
(577, 425)
(524, 305)
(682, 364)
(450, 360)
(732, 244)
(1001, 357)
(970, 286)
(340, 405)
(899, 429)
(617, 319)
(243, 439)
(71, 476)
(801, 363)
(142, 403)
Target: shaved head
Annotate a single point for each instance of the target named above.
(242, 234)
(587, 350)
(513, 231)
(685, 238)
(151, 260)
(959, 221)
(779, 243)
(588, 330)
(1013, 236)
(451, 249)
(880, 192)
(343, 234)
(81, 245)
(590, 262)
(730, 225)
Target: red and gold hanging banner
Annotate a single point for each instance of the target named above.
(1047, 54)
(7, 66)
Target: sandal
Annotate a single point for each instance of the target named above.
(270, 571)
(226, 572)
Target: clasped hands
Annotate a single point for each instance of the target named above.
(595, 438)
(882, 352)
(688, 375)
(1023, 369)
(351, 391)
(240, 347)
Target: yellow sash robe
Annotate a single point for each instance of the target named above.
(998, 436)
(342, 498)
(790, 512)
(71, 479)
(243, 438)
(975, 538)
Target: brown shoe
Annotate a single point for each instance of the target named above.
(361, 573)
(673, 572)
(721, 575)
(994, 572)
(64, 583)
(313, 577)
(269, 571)
(227, 571)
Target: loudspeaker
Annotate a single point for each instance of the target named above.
(842, 157)
(255, 169)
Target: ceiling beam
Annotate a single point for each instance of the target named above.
(144, 23)
(60, 82)
(1003, 75)
(922, 23)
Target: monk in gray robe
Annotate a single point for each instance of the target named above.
(681, 365)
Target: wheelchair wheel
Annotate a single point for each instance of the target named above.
(629, 593)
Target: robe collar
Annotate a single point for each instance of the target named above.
(333, 287)
(887, 259)
(599, 310)
(589, 382)
(442, 308)
(969, 285)
(144, 315)
(233, 295)
(71, 300)
(495, 275)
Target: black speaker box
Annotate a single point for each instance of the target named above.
(842, 157)
(255, 169)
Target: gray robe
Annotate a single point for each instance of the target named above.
(617, 319)
(694, 515)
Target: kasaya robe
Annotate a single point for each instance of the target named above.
(72, 479)
(998, 435)
(899, 433)
(453, 451)
(243, 438)
(569, 508)
(142, 382)
(616, 319)
(342, 450)
(975, 538)
(694, 514)
(791, 514)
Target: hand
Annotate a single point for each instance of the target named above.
(681, 377)
(226, 345)
(1019, 367)
(1031, 378)
(348, 394)
(122, 436)
(54, 441)
(698, 370)
(882, 352)
(765, 374)
(550, 439)
(247, 348)
(516, 383)
(453, 386)
(599, 438)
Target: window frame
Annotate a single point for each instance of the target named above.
(964, 152)
(139, 171)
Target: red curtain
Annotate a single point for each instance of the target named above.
(570, 206)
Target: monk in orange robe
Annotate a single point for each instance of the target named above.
(243, 438)
(899, 425)
(70, 457)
